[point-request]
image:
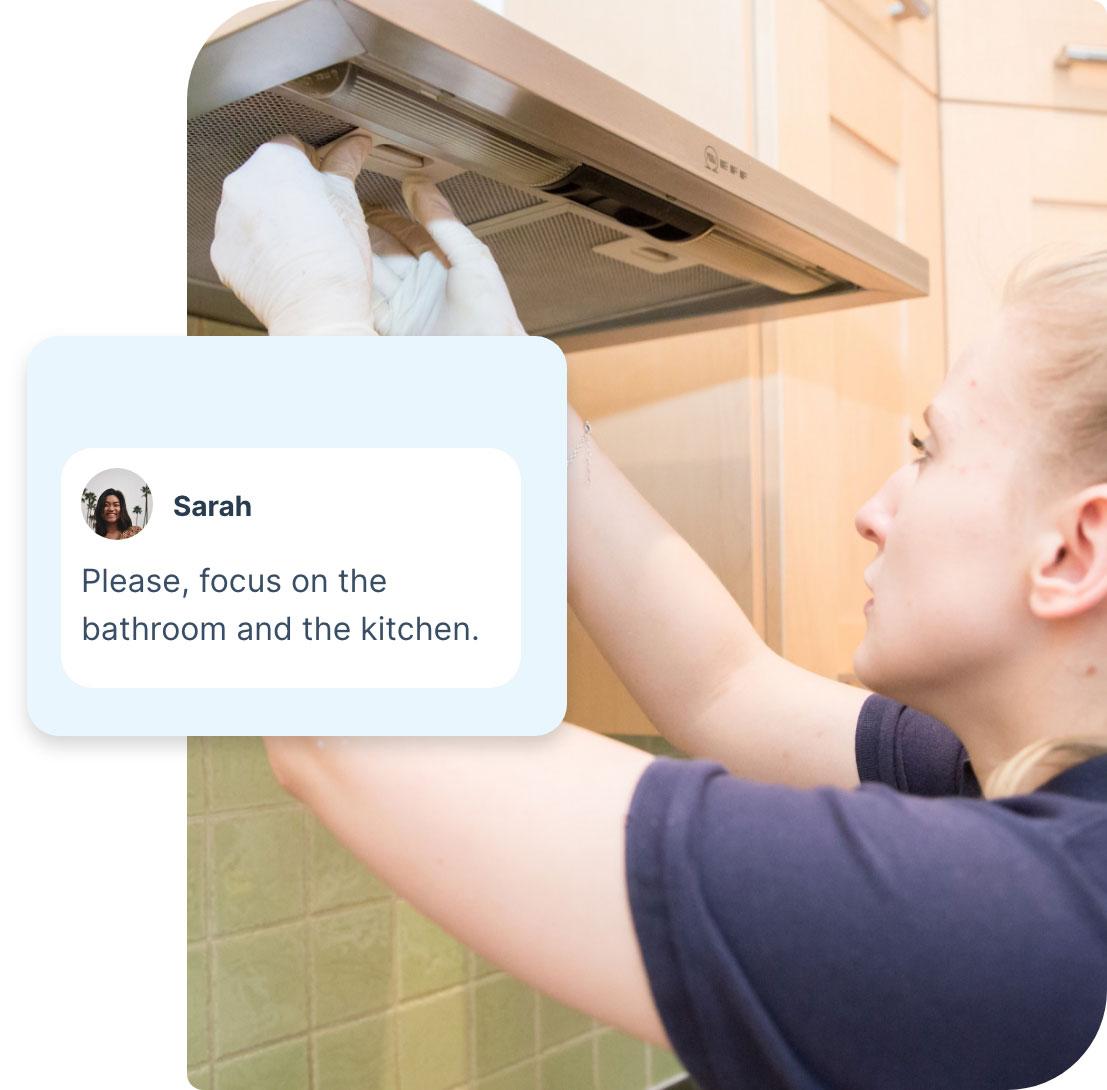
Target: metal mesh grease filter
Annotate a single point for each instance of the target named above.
(221, 141)
(556, 281)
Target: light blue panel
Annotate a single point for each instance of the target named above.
(503, 392)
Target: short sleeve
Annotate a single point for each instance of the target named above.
(910, 751)
(826, 939)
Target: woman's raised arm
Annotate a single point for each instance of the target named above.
(683, 647)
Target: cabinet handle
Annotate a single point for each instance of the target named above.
(907, 9)
(1093, 54)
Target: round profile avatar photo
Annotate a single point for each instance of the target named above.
(116, 504)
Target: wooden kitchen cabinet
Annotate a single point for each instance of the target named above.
(694, 58)
(842, 390)
(761, 455)
(680, 417)
(1005, 51)
(1016, 180)
(910, 43)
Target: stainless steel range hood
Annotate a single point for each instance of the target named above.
(612, 218)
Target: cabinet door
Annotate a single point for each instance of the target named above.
(674, 414)
(843, 389)
(1016, 180)
(910, 42)
(694, 58)
(679, 417)
(1006, 51)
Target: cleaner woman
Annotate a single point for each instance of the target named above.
(893, 890)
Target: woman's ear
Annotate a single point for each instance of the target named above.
(1069, 572)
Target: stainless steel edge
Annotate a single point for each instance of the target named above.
(603, 336)
(214, 301)
(269, 51)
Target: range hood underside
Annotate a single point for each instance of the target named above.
(545, 246)
(589, 257)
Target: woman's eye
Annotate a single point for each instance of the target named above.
(918, 444)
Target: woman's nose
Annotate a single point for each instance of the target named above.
(875, 516)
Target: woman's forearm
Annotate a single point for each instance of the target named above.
(514, 845)
(660, 616)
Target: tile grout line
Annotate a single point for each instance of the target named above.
(307, 857)
(538, 1042)
(517, 1065)
(325, 1027)
(289, 921)
(597, 1031)
(471, 1012)
(386, 1011)
(208, 908)
(394, 989)
(257, 808)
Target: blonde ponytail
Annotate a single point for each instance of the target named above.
(1041, 761)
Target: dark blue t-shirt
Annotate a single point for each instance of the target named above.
(873, 938)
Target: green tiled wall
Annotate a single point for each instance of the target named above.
(305, 972)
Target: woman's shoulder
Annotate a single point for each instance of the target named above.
(130, 533)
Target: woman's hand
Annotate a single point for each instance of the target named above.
(291, 240)
(433, 275)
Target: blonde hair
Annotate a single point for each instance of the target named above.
(1041, 761)
(1065, 302)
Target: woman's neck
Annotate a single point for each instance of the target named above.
(1059, 694)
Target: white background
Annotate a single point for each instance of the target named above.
(444, 527)
(93, 975)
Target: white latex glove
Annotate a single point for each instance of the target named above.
(434, 276)
(291, 241)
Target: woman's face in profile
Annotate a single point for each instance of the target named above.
(111, 509)
(948, 581)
